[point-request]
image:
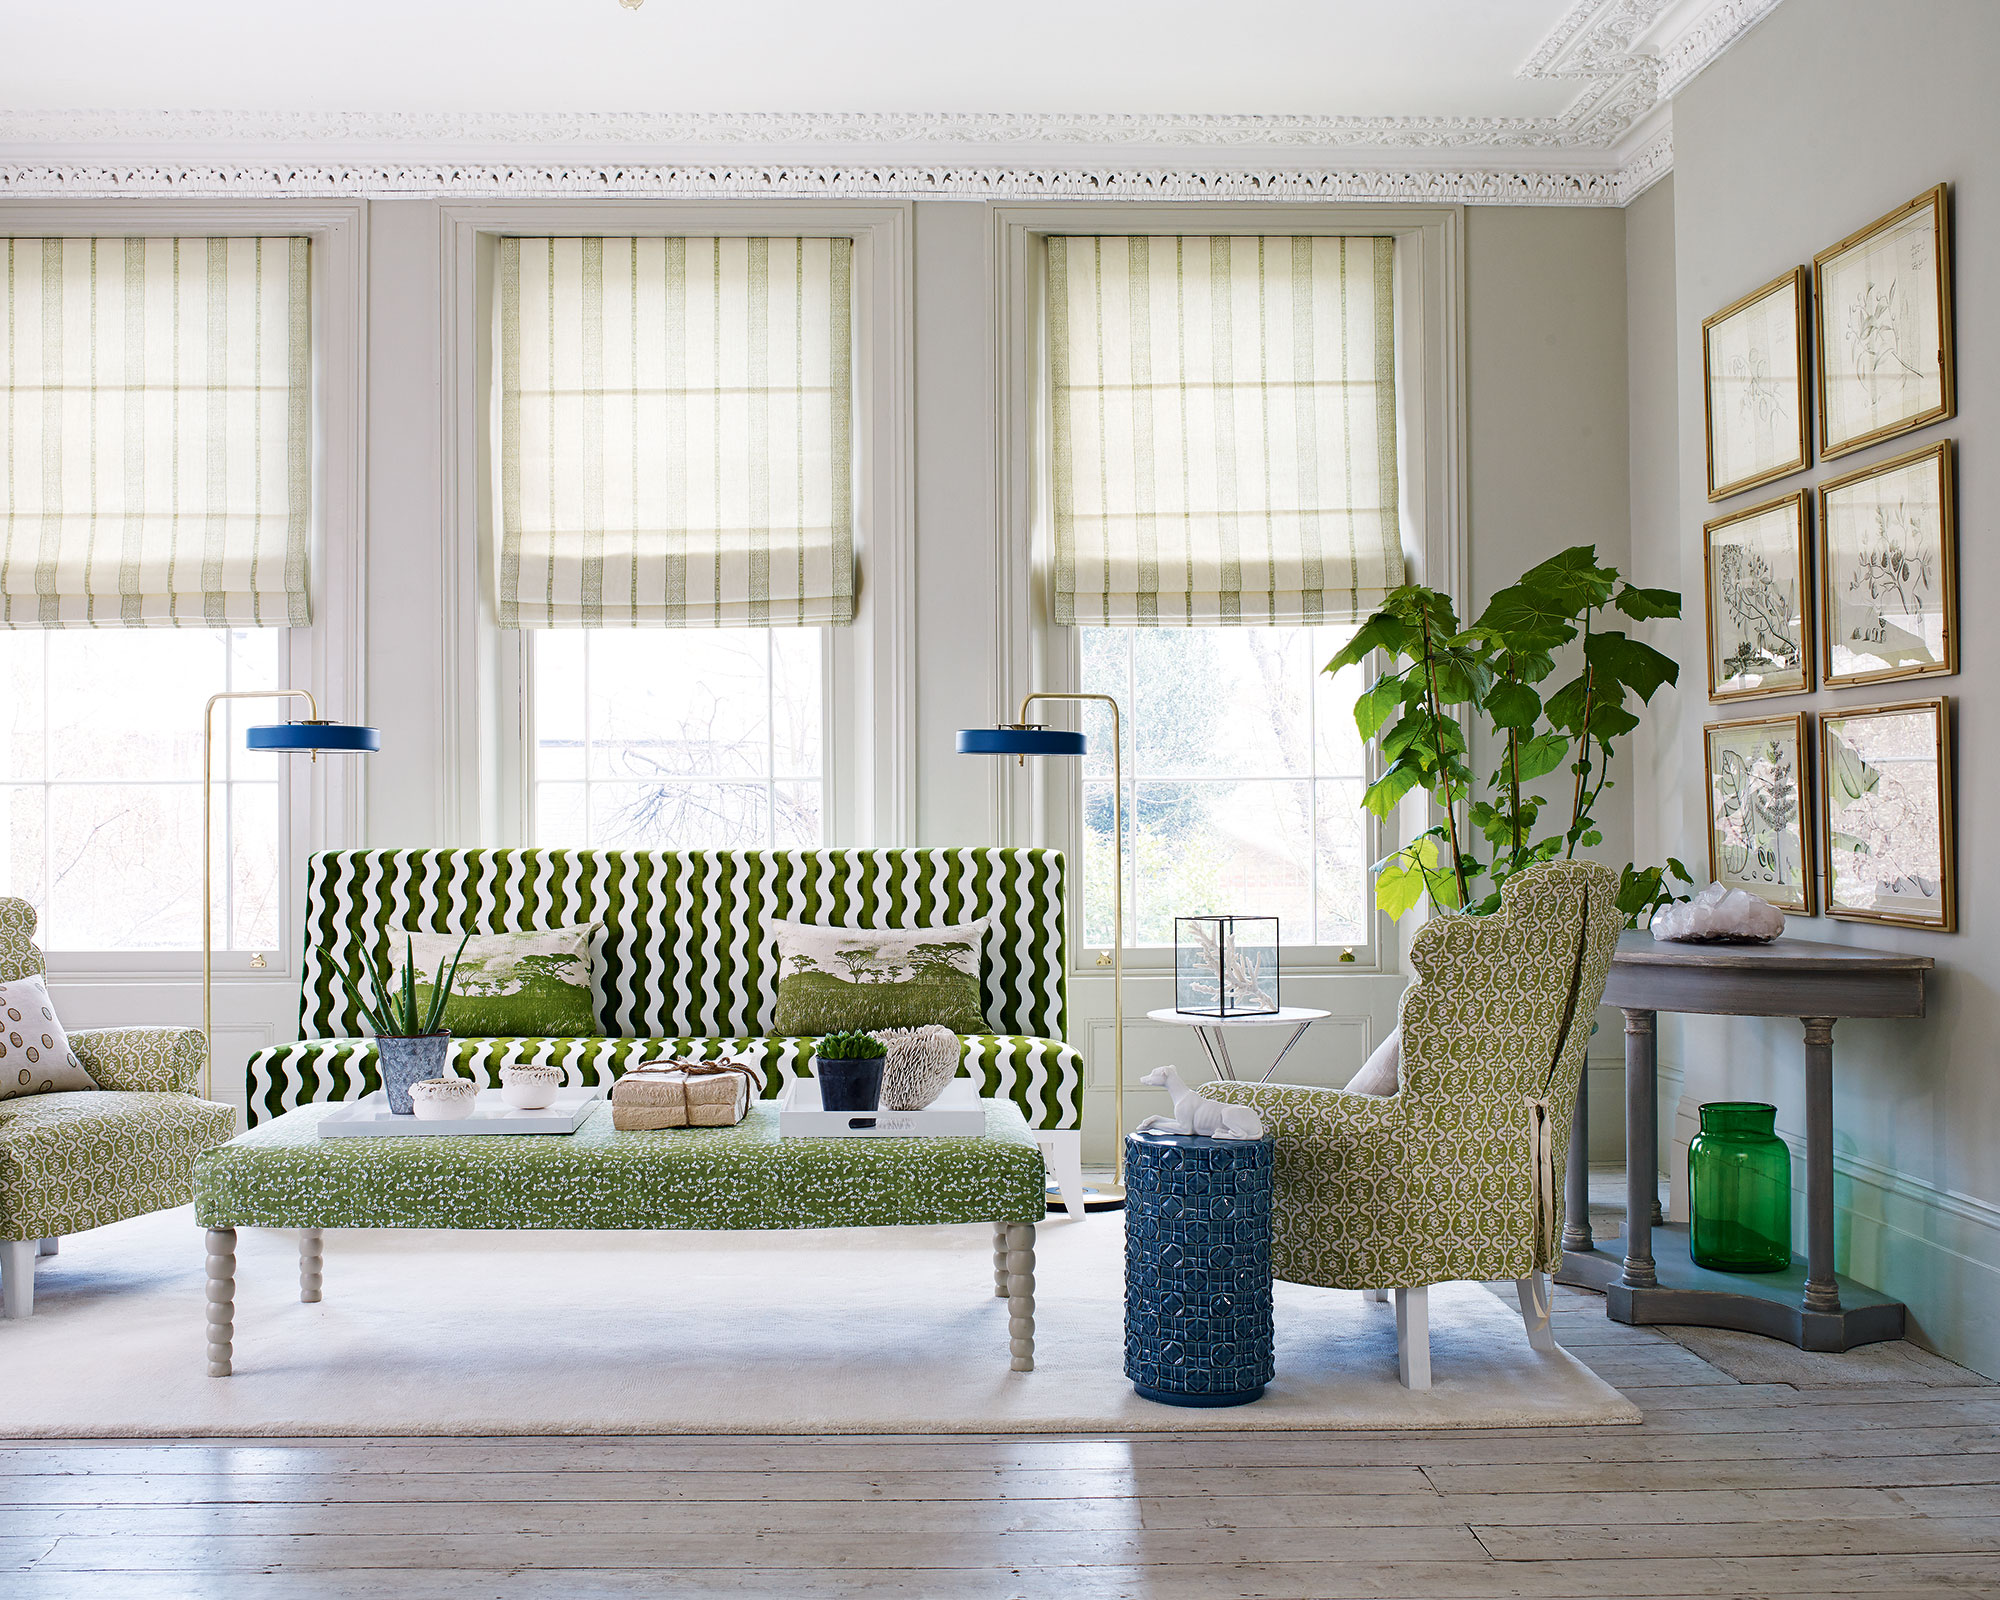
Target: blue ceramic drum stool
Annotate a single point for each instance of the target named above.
(1198, 1268)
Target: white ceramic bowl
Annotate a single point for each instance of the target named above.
(443, 1099)
(529, 1086)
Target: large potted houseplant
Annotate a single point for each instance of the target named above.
(1442, 674)
(412, 1043)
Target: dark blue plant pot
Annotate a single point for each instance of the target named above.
(849, 1085)
(408, 1060)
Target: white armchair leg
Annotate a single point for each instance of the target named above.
(17, 1277)
(1413, 1336)
(1534, 1295)
(50, 1246)
(1379, 1296)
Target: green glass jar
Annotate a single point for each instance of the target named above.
(1740, 1190)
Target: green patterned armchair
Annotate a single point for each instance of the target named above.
(1459, 1173)
(77, 1160)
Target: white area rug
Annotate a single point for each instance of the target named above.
(881, 1330)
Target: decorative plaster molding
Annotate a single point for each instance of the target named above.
(472, 180)
(1598, 151)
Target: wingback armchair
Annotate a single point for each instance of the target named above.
(76, 1160)
(1459, 1173)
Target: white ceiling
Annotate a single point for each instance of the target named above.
(1404, 58)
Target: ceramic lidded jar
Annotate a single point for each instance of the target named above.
(529, 1086)
(444, 1099)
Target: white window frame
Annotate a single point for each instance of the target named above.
(1034, 652)
(868, 668)
(319, 801)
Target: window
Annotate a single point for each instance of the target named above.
(100, 776)
(671, 739)
(1243, 780)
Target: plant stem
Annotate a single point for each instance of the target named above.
(1444, 760)
(1514, 793)
(1582, 740)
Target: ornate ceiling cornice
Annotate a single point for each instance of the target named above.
(1606, 146)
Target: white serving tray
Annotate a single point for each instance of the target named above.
(371, 1118)
(956, 1113)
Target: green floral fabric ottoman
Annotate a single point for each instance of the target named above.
(283, 1175)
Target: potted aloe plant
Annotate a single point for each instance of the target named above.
(412, 1044)
(849, 1069)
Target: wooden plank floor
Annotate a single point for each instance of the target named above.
(1726, 1488)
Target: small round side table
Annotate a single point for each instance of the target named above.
(1209, 1031)
(1198, 1268)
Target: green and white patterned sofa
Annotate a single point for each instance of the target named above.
(686, 962)
(82, 1158)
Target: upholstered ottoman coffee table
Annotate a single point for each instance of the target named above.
(283, 1175)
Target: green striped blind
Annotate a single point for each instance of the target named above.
(1223, 413)
(675, 423)
(155, 433)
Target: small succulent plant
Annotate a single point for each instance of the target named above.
(850, 1047)
(394, 1013)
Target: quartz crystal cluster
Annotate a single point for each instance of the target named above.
(1719, 915)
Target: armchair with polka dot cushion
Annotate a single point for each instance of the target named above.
(1457, 1171)
(95, 1126)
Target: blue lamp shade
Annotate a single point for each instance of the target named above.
(1028, 741)
(315, 736)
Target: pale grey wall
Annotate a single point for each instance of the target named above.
(1818, 121)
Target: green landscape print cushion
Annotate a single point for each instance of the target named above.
(511, 985)
(834, 979)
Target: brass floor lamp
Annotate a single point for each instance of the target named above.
(1023, 739)
(310, 736)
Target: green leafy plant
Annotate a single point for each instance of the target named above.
(393, 1013)
(1495, 669)
(850, 1047)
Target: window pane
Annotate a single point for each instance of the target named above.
(109, 849)
(674, 739)
(1237, 801)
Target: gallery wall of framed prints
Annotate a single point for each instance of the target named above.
(1851, 580)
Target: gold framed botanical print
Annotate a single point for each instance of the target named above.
(1759, 816)
(1754, 581)
(1882, 327)
(1889, 570)
(1886, 797)
(1753, 387)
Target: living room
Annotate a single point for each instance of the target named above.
(659, 665)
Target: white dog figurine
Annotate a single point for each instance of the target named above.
(1196, 1113)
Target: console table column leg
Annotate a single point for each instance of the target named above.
(1576, 1181)
(1021, 1295)
(221, 1299)
(1000, 1260)
(1642, 1179)
(1822, 1288)
(310, 1248)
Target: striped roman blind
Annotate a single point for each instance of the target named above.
(156, 433)
(1224, 418)
(675, 433)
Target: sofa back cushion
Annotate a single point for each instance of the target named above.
(686, 943)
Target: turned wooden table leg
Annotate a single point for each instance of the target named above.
(1576, 1181)
(221, 1299)
(311, 1251)
(1642, 1143)
(1000, 1260)
(1822, 1288)
(1021, 1295)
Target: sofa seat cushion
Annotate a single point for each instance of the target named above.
(281, 1174)
(1043, 1077)
(70, 1161)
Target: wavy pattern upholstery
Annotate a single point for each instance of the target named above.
(686, 962)
(79, 1160)
(1432, 1183)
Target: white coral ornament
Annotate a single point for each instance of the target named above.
(1719, 915)
(920, 1062)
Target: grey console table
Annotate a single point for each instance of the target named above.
(1647, 1275)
